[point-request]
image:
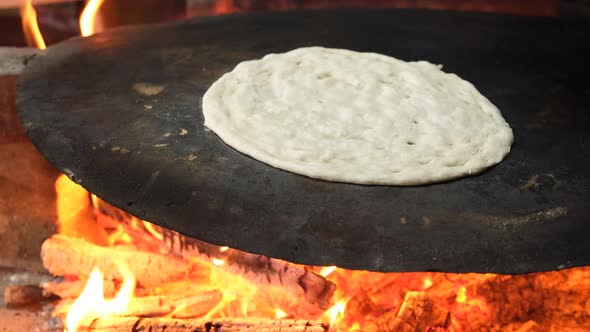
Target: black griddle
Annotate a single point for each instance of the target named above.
(529, 213)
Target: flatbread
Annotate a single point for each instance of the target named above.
(362, 118)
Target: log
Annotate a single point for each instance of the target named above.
(360, 305)
(193, 306)
(263, 270)
(285, 284)
(137, 324)
(165, 324)
(289, 281)
(66, 256)
(21, 295)
(184, 299)
(71, 289)
(417, 313)
(198, 305)
(293, 280)
(148, 306)
(173, 300)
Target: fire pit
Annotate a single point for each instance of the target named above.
(286, 234)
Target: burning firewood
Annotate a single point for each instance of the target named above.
(197, 305)
(149, 306)
(417, 313)
(289, 281)
(189, 306)
(260, 269)
(286, 283)
(72, 289)
(126, 324)
(176, 276)
(66, 256)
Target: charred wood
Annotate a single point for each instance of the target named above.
(360, 305)
(417, 313)
(292, 280)
(110, 218)
(289, 280)
(21, 295)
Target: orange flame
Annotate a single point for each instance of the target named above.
(91, 303)
(152, 229)
(74, 212)
(89, 23)
(30, 25)
(335, 313)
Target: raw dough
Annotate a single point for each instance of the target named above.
(362, 118)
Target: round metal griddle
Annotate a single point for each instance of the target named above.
(151, 156)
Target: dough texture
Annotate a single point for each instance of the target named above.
(353, 117)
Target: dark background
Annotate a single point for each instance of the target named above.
(60, 21)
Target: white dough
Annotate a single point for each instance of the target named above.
(355, 117)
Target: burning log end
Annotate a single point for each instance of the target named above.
(72, 289)
(417, 313)
(292, 280)
(21, 295)
(63, 255)
(317, 288)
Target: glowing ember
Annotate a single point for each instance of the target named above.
(88, 20)
(461, 295)
(30, 25)
(280, 314)
(91, 303)
(427, 283)
(150, 228)
(327, 270)
(217, 261)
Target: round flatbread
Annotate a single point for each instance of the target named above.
(362, 118)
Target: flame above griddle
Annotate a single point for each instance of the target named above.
(30, 25)
(90, 22)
